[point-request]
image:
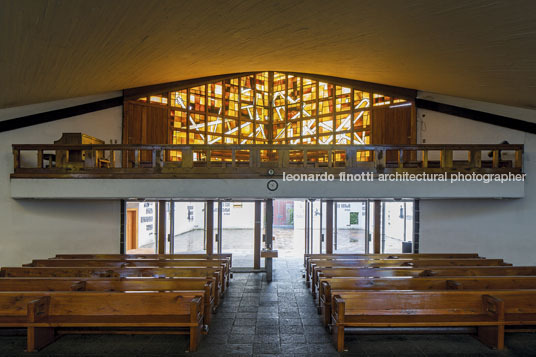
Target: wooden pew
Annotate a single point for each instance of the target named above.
(111, 272)
(421, 272)
(392, 256)
(335, 286)
(313, 263)
(205, 286)
(44, 312)
(147, 256)
(134, 263)
(488, 310)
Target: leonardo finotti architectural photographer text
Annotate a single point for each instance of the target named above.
(405, 176)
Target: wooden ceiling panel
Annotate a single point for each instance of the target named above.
(476, 49)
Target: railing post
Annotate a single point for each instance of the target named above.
(425, 159)
(91, 159)
(112, 158)
(161, 157)
(233, 157)
(379, 160)
(330, 158)
(446, 159)
(304, 157)
(518, 162)
(16, 159)
(495, 159)
(209, 157)
(351, 158)
(153, 158)
(136, 158)
(40, 158)
(187, 158)
(475, 159)
(400, 159)
(283, 158)
(253, 157)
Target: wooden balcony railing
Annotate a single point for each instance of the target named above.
(256, 161)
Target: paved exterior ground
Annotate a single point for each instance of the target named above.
(258, 318)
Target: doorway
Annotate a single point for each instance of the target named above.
(132, 228)
(235, 228)
(141, 227)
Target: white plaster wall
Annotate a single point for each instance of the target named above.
(491, 227)
(238, 217)
(182, 224)
(34, 229)
(343, 215)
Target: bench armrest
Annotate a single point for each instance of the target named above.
(493, 307)
(338, 309)
(196, 309)
(324, 291)
(38, 309)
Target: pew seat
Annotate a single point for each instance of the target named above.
(43, 312)
(487, 310)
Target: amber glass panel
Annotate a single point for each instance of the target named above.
(180, 120)
(197, 99)
(343, 139)
(179, 99)
(325, 107)
(261, 133)
(158, 99)
(309, 90)
(325, 90)
(362, 138)
(343, 101)
(309, 109)
(294, 111)
(325, 139)
(380, 99)
(361, 99)
(343, 122)
(294, 89)
(309, 127)
(215, 98)
(325, 125)
(364, 156)
(197, 129)
(179, 137)
(230, 103)
(279, 133)
(361, 120)
(269, 155)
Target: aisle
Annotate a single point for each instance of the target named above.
(261, 318)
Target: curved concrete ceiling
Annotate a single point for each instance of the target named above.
(484, 50)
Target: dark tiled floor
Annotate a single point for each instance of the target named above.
(277, 319)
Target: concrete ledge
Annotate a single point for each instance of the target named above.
(254, 188)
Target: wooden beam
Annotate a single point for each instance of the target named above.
(161, 227)
(257, 237)
(499, 120)
(46, 117)
(329, 227)
(377, 226)
(209, 219)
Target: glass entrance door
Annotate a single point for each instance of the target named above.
(234, 225)
(350, 231)
(186, 227)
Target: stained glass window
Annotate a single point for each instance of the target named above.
(273, 108)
